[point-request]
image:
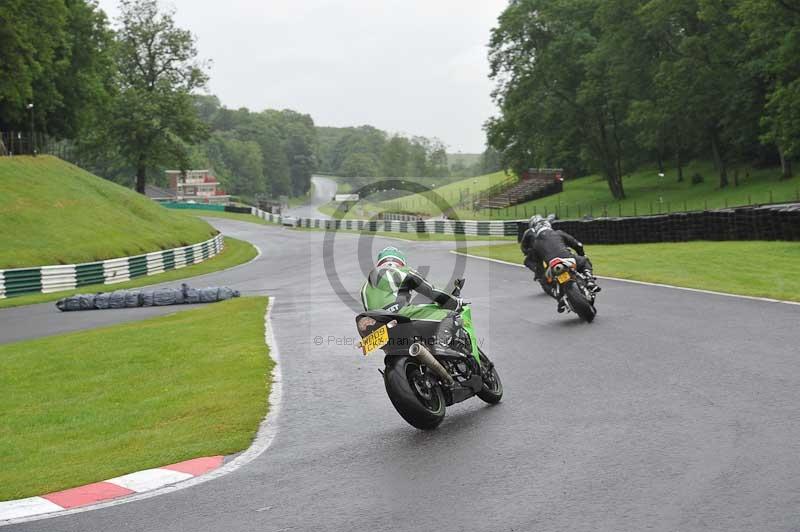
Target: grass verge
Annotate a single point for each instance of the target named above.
(236, 252)
(296, 201)
(92, 405)
(731, 267)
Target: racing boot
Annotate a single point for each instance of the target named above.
(590, 281)
(562, 305)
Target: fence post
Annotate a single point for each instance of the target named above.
(770, 196)
(605, 211)
(669, 210)
(591, 210)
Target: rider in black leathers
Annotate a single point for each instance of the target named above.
(541, 243)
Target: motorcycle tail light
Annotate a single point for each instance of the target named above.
(364, 323)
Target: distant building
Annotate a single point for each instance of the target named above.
(199, 186)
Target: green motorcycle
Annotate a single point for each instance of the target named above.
(432, 359)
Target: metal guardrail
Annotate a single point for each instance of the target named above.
(47, 279)
(452, 227)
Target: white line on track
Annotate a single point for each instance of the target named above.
(266, 434)
(698, 290)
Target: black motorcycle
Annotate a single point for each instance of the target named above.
(432, 359)
(568, 284)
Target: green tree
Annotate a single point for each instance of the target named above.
(153, 118)
(437, 160)
(557, 103)
(55, 54)
(773, 45)
(394, 158)
(300, 138)
(360, 165)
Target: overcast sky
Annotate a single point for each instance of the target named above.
(417, 67)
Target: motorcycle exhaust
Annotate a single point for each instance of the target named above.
(421, 353)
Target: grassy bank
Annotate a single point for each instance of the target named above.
(239, 216)
(731, 267)
(451, 193)
(89, 406)
(52, 212)
(236, 252)
(646, 193)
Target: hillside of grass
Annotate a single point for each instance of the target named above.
(646, 193)
(461, 192)
(463, 159)
(52, 212)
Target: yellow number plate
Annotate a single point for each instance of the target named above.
(563, 278)
(375, 340)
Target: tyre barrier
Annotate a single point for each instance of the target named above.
(765, 222)
(152, 297)
(47, 279)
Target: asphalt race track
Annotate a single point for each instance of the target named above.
(324, 190)
(673, 411)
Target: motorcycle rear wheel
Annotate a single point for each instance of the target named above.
(422, 405)
(582, 306)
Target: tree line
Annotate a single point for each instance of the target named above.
(606, 85)
(369, 152)
(359, 154)
(126, 99)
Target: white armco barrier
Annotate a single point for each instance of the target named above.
(47, 279)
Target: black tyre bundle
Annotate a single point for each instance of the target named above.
(156, 297)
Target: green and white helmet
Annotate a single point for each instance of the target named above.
(390, 255)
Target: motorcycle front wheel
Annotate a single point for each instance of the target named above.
(492, 390)
(579, 303)
(413, 392)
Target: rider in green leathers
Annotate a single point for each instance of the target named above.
(391, 282)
